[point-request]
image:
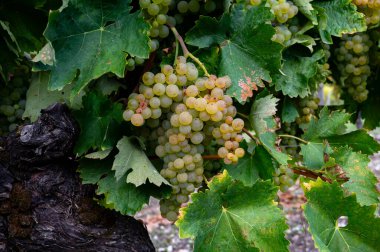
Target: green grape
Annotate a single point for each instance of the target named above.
(182, 6)
(353, 59)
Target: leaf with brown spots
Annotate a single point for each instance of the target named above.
(361, 179)
(248, 55)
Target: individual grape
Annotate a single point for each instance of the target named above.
(185, 118)
(148, 78)
(194, 6)
(127, 115)
(137, 120)
(172, 90)
(182, 6)
(210, 6)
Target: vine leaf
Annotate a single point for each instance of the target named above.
(246, 170)
(327, 124)
(362, 181)
(248, 55)
(313, 154)
(223, 218)
(99, 120)
(131, 157)
(261, 118)
(305, 7)
(358, 140)
(39, 97)
(99, 154)
(91, 38)
(253, 166)
(289, 110)
(295, 79)
(262, 109)
(337, 17)
(118, 195)
(326, 204)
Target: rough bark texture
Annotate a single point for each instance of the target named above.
(44, 207)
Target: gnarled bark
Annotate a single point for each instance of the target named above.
(43, 205)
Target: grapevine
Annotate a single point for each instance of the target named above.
(211, 107)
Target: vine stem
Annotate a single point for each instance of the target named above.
(294, 137)
(250, 135)
(243, 115)
(211, 157)
(186, 52)
(310, 174)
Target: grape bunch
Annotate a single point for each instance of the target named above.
(282, 9)
(284, 177)
(282, 35)
(289, 145)
(371, 10)
(186, 112)
(353, 63)
(12, 104)
(308, 107)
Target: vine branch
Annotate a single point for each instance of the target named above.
(310, 174)
(294, 137)
(186, 52)
(251, 136)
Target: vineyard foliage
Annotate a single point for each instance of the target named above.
(211, 107)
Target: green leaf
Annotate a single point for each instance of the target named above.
(325, 205)
(131, 157)
(313, 155)
(268, 140)
(262, 109)
(91, 38)
(91, 171)
(27, 21)
(107, 86)
(223, 218)
(358, 140)
(305, 7)
(99, 154)
(46, 55)
(39, 97)
(248, 54)
(337, 17)
(327, 124)
(118, 195)
(245, 170)
(295, 79)
(289, 111)
(125, 197)
(100, 121)
(362, 181)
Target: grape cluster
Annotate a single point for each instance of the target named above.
(282, 35)
(187, 112)
(371, 10)
(289, 145)
(282, 9)
(308, 107)
(183, 8)
(12, 104)
(353, 64)
(284, 177)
